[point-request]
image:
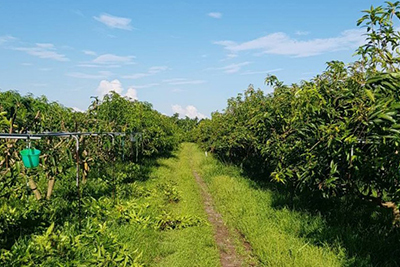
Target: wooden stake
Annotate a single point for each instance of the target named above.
(34, 188)
(50, 188)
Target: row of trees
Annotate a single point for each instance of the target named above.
(158, 134)
(107, 169)
(335, 135)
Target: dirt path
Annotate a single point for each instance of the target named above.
(227, 252)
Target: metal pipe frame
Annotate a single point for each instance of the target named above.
(38, 136)
(75, 135)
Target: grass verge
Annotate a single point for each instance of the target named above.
(277, 237)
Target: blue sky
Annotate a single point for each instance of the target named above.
(181, 56)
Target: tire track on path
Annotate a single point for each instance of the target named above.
(225, 243)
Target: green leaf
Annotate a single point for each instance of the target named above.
(370, 95)
(50, 229)
(387, 117)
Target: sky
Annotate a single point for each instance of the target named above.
(181, 56)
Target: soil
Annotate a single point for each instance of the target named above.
(224, 240)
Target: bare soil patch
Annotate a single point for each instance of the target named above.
(225, 242)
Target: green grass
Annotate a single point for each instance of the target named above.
(172, 194)
(279, 237)
(169, 226)
(158, 219)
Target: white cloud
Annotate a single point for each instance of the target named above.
(215, 15)
(232, 68)
(281, 44)
(190, 111)
(260, 72)
(182, 81)
(85, 65)
(81, 75)
(6, 38)
(135, 76)
(115, 22)
(113, 59)
(131, 93)
(106, 61)
(151, 71)
(106, 87)
(45, 45)
(43, 50)
(300, 33)
(89, 52)
(157, 69)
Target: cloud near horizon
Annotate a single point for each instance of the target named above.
(190, 111)
(106, 87)
(280, 43)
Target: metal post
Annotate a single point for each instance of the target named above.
(112, 171)
(75, 135)
(77, 158)
(77, 176)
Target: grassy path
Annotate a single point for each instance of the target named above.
(208, 215)
(227, 252)
(171, 197)
(191, 246)
(277, 237)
